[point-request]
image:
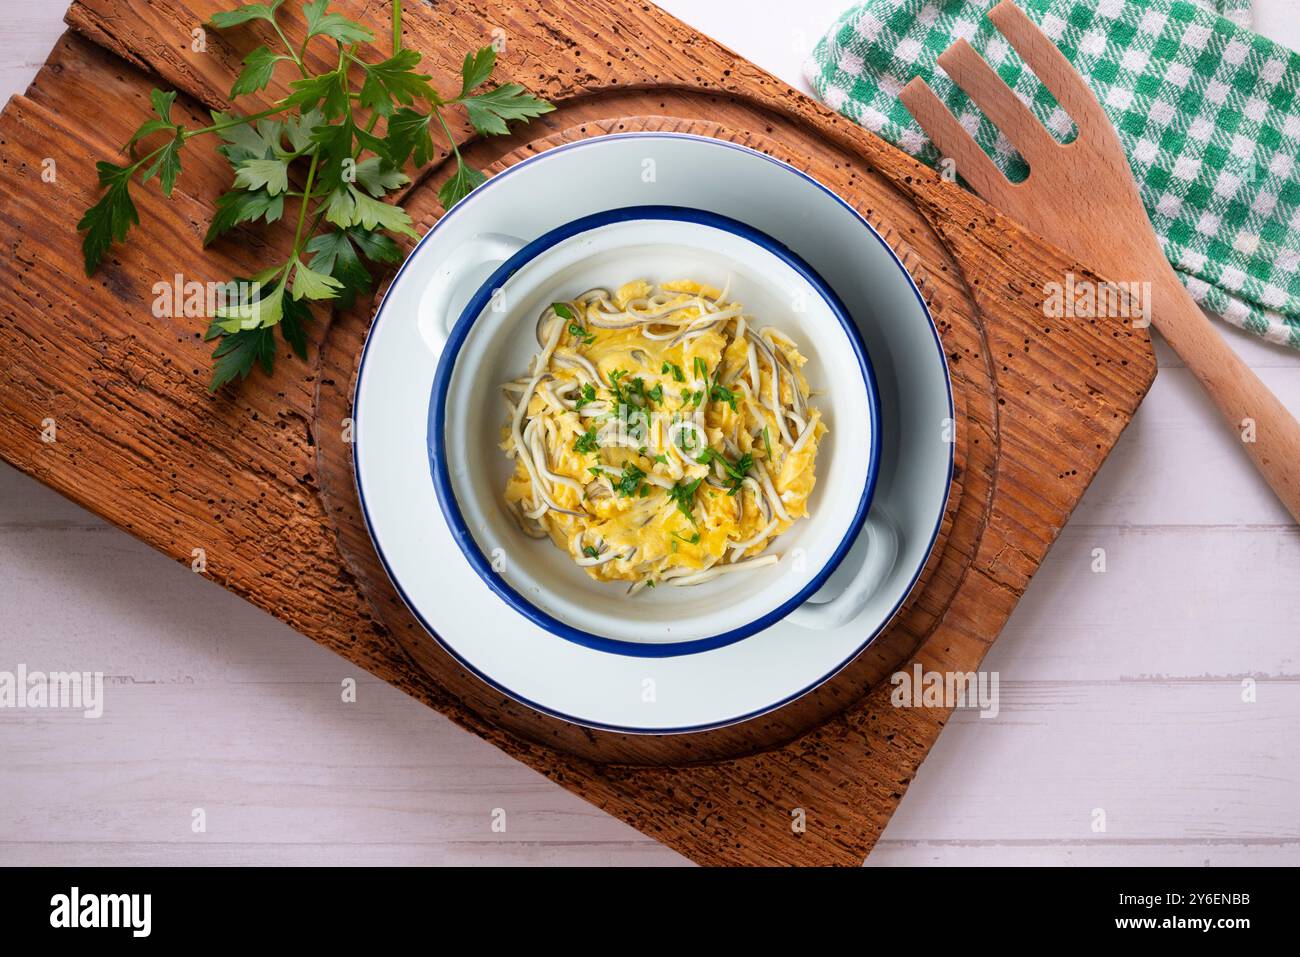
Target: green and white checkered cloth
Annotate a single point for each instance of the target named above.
(1208, 112)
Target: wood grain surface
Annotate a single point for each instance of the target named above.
(238, 475)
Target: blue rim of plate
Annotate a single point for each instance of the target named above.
(436, 435)
(469, 666)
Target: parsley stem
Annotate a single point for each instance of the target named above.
(293, 56)
(237, 121)
(148, 156)
(397, 26)
(302, 209)
(447, 130)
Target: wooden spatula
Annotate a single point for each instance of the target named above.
(1082, 197)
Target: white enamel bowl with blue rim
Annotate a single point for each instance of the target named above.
(526, 626)
(493, 341)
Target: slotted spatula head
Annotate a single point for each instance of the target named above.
(1081, 195)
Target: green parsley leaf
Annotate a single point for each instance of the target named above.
(590, 551)
(109, 219)
(377, 176)
(237, 352)
(375, 246)
(562, 310)
(490, 112)
(588, 395)
(247, 141)
(395, 81)
(586, 443)
(476, 69)
(334, 255)
(298, 129)
(162, 106)
(767, 443)
(162, 103)
(273, 174)
(167, 166)
(309, 284)
(260, 313)
(245, 14)
(241, 206)
(259, 67)
(329, 90)
(408, 132)
(460, 185)
(341, 208)
(293, 325)
(333, 25)
(371, 213)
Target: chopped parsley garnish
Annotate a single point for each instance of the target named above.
(737, 471)
(656, 394)
(587, 395)
(632, 415)
(693, 539)
(590, 551)
(563, 311)
(578, 332)
(586, 442)
(721, 393)
(661, 459)
(684, 495)
(675, 369)
(629, 483)
(767, 443)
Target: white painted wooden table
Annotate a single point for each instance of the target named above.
(1120, 691)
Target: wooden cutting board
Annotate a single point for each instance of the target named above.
(259, 478)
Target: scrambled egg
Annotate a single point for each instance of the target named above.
(682, 459)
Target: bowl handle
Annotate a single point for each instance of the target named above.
(876, 549)
(434, 318)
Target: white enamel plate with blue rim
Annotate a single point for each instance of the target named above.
(659, 684)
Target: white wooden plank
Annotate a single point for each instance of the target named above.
(1173, 761)
(642, 853)
(1177, 464)
(28, 28)
(888, 853)
(1181, 603)
(290, 763)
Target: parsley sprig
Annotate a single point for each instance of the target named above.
(343, 226)
(736, 471)
(683, 493)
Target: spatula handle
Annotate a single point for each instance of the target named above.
(1269, 433)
